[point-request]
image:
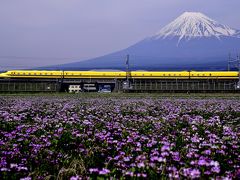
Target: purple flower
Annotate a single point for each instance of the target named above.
(86, 122)
(214, 163)
(141, 175)
(60, 130)
(207, 172)
(176, 156)
(195, 173)
(131, 137)
(186, 171)
(104, 171)
(126, 159)
(93, 170)
(13, 165)
(207, 152)
(4, 169)
(202, 162)
(165, 148)
(26, 178)
(195, 139)
(215, 169)
(140, 165)
(129, 173)
(74, 178)
(20, 168)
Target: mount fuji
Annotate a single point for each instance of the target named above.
(192, 41)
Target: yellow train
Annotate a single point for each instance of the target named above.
(120, 74)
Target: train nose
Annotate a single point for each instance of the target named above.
(2, 75)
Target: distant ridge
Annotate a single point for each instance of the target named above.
(192, 41)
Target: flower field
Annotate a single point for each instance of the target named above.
(120, 138)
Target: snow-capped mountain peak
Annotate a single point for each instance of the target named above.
(194, 24)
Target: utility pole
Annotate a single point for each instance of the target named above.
(236, 63)
(126, 84)
(62, 78)
(127, 68)
(229, 59)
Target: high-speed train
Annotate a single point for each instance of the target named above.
(47, 74)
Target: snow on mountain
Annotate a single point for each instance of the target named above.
(194, 24)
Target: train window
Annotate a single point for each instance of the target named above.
(142, 74)
(51, 74)
(29, 73)
(169, 74)
(18, 73)
(210, 74)
(174, 74)
(203, 74)
(40, 73)
(150, 74)
(35, 74)
(45, 73)
(197, 74)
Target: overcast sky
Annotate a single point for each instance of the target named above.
(46, 32)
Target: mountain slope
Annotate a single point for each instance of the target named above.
(193, 41)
